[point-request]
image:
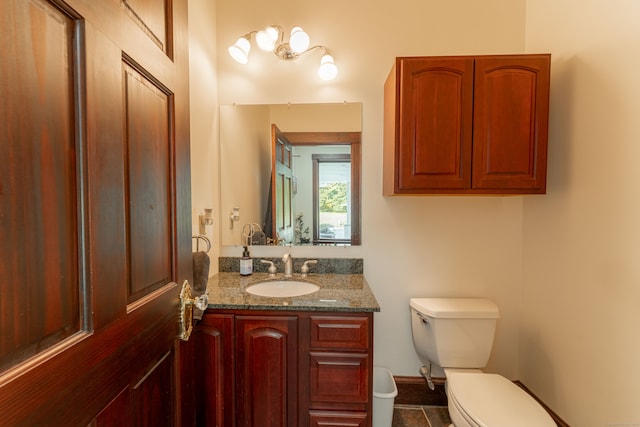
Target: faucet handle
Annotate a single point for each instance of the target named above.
(272, 267)
(305, 267)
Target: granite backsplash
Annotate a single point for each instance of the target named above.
(324, 265)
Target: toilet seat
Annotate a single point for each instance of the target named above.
(490, 400)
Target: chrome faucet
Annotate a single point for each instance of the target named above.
(288, 265)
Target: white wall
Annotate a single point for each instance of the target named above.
(412, 246)
(579, 337)
(204, 117)
(567, 260)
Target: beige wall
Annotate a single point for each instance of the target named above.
(245, 168)
(579, 337)
(204, 117)
(568, 261)
(412, 246)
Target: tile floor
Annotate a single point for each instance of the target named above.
(420, 416)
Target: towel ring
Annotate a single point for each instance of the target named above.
(199, 237)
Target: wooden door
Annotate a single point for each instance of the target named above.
(511, 109)
(267, 371)
(95, 210)
(282, 186)
(434, 123)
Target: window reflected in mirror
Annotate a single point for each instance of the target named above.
(332, 198)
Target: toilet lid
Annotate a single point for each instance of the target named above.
(491, 400)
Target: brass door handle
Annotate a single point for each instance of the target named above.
(186, 309)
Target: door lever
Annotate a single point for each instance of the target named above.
(186, 309)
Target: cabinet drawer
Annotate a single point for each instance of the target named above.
(337, 419)
(339, 332)
(339, 377)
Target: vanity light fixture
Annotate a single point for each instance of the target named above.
(271, 39)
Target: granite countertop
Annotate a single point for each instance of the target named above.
(338, 292)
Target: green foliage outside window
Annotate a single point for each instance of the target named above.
(333, 197)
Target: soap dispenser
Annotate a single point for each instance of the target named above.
(246, 263)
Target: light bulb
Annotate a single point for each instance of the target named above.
(240, 50)
(266, 38)
(299, 40)
(328, 69)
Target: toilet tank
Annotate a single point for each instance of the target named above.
(453, 332)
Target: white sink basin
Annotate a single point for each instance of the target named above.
(282, 288)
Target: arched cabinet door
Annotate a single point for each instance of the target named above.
(267, 370)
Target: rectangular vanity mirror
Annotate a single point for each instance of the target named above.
(293, 172)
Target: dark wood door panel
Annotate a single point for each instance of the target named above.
(152, 396)
(72, 343)
(149, 124)
(106, 201)
(154, 19)
(39, 227)
(73, 384)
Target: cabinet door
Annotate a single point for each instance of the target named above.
(338, 378)
(337, 419)
(213, 341)
(434, 127)
(340, 332)
(266, 371)
(510, 122)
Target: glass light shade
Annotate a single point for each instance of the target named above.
(266, 38)
(240, 50)
(299, 40)
(328, 69)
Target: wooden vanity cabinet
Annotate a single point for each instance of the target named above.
(341, 369)
(284, 368)
(466, 125)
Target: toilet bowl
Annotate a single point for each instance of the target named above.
(491, 400)
(457, 335)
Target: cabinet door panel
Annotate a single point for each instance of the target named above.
(510, 122)
(337, 419)
(339, 377)
(213, 339)
(339, 332)
(266, 370)
(434, 119)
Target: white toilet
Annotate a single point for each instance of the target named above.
(457, 335)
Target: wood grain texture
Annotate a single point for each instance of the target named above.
(74, 352)
(466, 125)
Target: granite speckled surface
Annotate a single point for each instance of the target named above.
(324, 265)
(338, 292)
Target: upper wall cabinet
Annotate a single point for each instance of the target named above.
(466, 125)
